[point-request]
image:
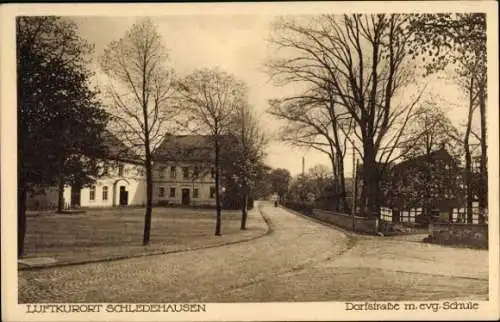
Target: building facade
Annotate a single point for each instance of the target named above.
(183, 174)
(125, 185)
(183, 171)
(183, 183)
(430, 181)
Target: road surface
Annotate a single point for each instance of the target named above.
(301, 260)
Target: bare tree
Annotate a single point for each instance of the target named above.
(139, 87)
(314, 120)
(363, 59)
(210, 98)
(430, 130)
(246, 157)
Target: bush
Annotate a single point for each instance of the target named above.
(303, 207)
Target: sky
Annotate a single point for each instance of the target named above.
(239, 45)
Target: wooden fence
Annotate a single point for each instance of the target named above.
(400, 216)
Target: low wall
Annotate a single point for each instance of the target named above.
(361, 224)
(459, 234)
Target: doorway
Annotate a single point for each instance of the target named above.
(123, 196)
(75, 196)
(186, 199)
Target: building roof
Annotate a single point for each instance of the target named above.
(185, 148)
(117, 150)
(440, 154)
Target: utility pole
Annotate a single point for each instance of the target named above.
(303, 165)
(354, 186)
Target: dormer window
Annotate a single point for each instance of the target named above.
(121, 168)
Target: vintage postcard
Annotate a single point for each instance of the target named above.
(280, 161)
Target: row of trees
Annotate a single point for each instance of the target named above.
(63, 118)
(354, 70)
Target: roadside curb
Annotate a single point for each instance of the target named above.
(153, 253)
(352, 238)
(270, 225)
(351, 235)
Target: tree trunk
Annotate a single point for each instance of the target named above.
(21, 180)
(21, 215)
(217, 188)
(343, 204)
(362, 197)
(428, 179)
(370, 191)
(244, 210)
(468, 182)
(149, 199)
(335, 170)
(355, 191)
(468, 158)
(483, 182)
(60, 193)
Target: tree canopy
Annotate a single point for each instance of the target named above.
(60, 118)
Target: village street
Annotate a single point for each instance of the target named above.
(300, 260)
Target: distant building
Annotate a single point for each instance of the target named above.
(428, 181)
(183, 171)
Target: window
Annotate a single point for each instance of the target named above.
(92, 193)
(195, 193)
(212, 173)
(104, 193)
(161, 172)
(196, 172)
(172, 192)
(185, 173)
(120, 170)
(173, 173)
(212, 192)
(161, 192)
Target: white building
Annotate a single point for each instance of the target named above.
(124, 184)
(183, 174)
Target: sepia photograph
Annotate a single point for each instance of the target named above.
(205, 162)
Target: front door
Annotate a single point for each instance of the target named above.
(186, 200)
(75, 196)
(123, 196)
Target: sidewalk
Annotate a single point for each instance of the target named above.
(170, 233)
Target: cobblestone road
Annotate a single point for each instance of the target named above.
(300, 260)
